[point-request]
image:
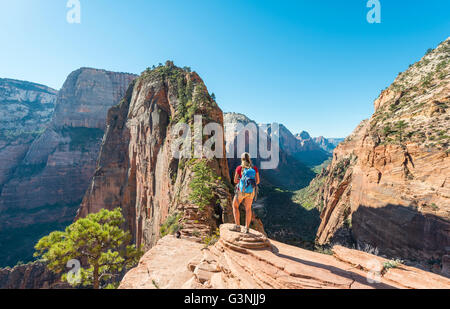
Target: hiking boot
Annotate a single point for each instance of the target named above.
(235, 228)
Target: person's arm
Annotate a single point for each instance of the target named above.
(236, 178)
(257, 178)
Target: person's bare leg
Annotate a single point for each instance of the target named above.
(248, 212)
(236, 214)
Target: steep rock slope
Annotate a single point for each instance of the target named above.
(389, 182)
(48, 184)
(26, 109)
(138, 171)
(251, 261)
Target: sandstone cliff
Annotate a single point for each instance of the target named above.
(251, 261)
(389, 183)
(138, 171)
(47, 186)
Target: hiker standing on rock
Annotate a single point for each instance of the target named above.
(246, 179)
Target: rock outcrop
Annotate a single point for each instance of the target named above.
(389, 182)
(30, 276)
(251, 261)
(48, 184)
(137, 169)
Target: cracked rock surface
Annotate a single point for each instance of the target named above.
(252, 261)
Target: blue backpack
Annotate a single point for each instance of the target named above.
(247, 184)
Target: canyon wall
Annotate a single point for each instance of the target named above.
(47, 186)
(389, 183)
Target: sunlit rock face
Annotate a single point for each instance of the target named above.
(137, 169)
(389, 181)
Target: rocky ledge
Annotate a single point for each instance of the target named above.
(249, 261)
(30, 276)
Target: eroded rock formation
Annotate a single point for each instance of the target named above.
(251, 261)
(137, 169)
(389, 182)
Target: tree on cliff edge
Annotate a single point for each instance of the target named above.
(96, 246)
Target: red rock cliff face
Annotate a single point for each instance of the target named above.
(136, 168)
(389, 182)
(47, 186)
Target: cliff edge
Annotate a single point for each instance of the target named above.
(252, 261)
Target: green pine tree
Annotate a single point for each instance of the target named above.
(98, 242)
(401, 126)
(201, 185)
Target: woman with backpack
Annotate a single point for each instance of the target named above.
(246, 179)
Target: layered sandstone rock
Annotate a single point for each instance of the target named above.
(389, 181)
(47, 186)
(251, 261)
(137, 169)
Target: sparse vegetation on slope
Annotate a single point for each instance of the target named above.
(172, 225)
(405, 115)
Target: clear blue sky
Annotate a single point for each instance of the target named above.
(311, 65)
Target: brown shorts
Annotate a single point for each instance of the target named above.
(241, 197)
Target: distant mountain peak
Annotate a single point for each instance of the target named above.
(303, 135)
